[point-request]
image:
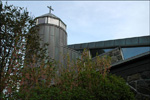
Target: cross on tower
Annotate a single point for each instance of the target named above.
(50, 9)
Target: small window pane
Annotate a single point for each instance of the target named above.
(53, 21)
(41, 20)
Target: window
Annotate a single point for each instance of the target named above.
(62, 25)
(53, 21)
(50, 20)
(130, 52)
(41, 20)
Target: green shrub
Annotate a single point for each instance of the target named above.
(109, 88)
(80, 81)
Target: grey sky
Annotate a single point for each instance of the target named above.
(89, 21)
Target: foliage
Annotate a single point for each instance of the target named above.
(80, 81)
(14, 26)
(19, 48)
(28, 74)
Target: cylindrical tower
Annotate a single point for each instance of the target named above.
(52, 30)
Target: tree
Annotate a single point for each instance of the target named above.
(19, 44)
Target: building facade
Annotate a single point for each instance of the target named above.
(52, 30)
(130, 56)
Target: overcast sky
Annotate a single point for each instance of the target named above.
(90, 21)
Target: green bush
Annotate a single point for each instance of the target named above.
(109, 88)
(86, 84)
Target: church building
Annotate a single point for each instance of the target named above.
(130, 56)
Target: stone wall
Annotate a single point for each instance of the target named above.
(136, 72)
(115, 54)
(140, 85)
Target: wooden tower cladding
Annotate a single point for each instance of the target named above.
(52, 30)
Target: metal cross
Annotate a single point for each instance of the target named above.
(50, 8)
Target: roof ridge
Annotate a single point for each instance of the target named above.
(49, 14)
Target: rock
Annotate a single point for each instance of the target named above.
(142, 97)
(143, 86)
(133, 84)
(133, 77)
(145, 75)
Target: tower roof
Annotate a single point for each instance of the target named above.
(50, 18)
(49, 15)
